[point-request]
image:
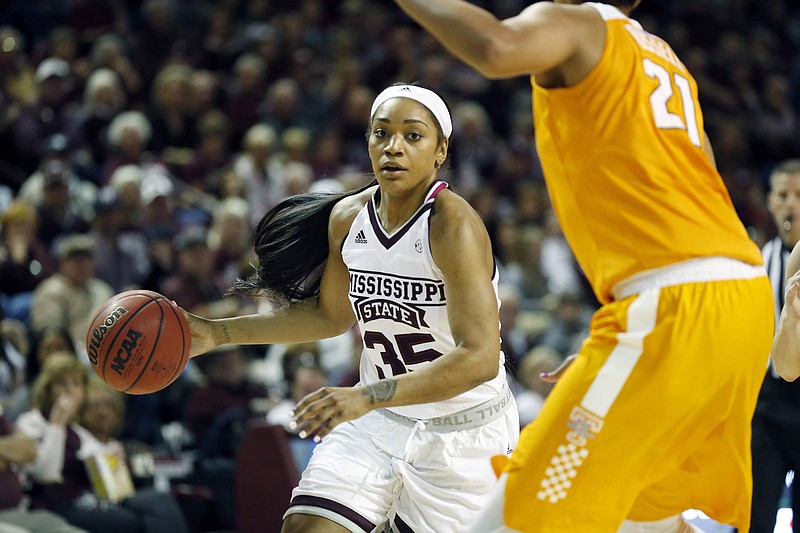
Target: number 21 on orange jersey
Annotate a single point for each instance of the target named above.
(660, 97)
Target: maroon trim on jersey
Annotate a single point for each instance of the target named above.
(334, 507)
(438, 187)
(385, 240)
(401, 526)
(427, 205)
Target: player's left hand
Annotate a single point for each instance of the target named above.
(321, 411)
(792, 296)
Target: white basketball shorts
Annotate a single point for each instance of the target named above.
(377, 468)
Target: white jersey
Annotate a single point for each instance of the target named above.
(398, 297)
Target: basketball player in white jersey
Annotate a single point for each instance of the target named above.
(411, 262)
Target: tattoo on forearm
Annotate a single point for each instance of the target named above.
(383, 391)
(226, 335)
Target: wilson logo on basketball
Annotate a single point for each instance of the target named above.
(125, 351)
(99, 332)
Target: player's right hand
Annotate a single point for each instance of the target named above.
(202, 334)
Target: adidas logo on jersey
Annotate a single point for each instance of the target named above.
(361, 238)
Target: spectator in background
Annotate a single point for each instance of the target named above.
(776, 127)
(174, 127)
(24, 260)
(128, 137)
(103, 98)
(17, 79)
(61, 481)
(535, 390)
(263, 184)
(531, 204)
(508, 251)
(120, 257)
(326, 155)
(56, 398)
(160, 259)
(109, 51)
(71, 296)
(570, 324)
(217, 413)
(17, 449)
(231, 185)
(158, 200)
(558, 261)
(298, 177)
(13, 353)
(244, 93)
(81, 192)
(92, 19)
(62, 42)
(514, 341)
(125, 184)
(206, 92)
(486, 203)
(474, 154)
(51, 340)
(281, 108)
(158, 36)
(226, 391)
(349, 120)
(263, 181)
(49, 114)
(103, 415)
(527, 270)
(192, 283)
(60, 211)
(221, 43)
(211, 153)
(295, 147)
(230, 240)
(304, 377)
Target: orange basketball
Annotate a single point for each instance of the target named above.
(138, 342)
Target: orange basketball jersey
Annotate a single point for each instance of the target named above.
(622, 154)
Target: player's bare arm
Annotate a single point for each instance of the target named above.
(326, 316)
(462, 251)
(543, 37)
(786, 344)
(456, 233)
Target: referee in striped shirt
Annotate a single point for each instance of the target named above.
(776, 423)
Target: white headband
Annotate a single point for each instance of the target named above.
(426, 97)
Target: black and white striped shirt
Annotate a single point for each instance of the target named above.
(779, 400)
(775, 257)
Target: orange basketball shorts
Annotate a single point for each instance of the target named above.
(653, 417)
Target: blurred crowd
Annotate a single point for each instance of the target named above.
(142, 140)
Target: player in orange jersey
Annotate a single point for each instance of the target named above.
(653, 416)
